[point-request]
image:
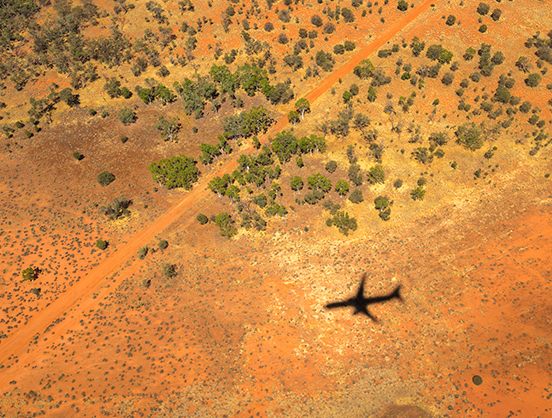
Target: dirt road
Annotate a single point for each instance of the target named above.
(16, 345)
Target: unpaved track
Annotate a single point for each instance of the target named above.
(16, 344)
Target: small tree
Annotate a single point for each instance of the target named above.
(169, 128)
(523, 64)
(402, 5)
(296, 183)
(202, 219)
(169, 270)
(178, 171)
(342, 187)
(319, 182)
(451, 19)
(376, 175)
(225, 223)
(101, 244)
(470, 136)
(68, 97)
(316, 21)
(78, 156)
(483, 8)
(293, 117)
(533, 80)
(372, 94)
(117, 209)
(163, 244)
(383, 204)
(356, 196)
(302, 106)
(126, 116)
(142, 252)
(447, 79)
(418, 193)
(343, 222)
(105, 178)
(30, 273)
(331, 166)
(364, 69)
(113, 87)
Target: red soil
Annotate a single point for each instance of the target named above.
(19, 340)
(242, 330)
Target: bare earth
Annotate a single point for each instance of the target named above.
(241, 331)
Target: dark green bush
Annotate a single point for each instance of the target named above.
(202, 219)
(101, 244)
(356, 196)
(105, 178)
(331, 166)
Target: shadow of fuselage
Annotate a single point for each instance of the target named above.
(361, 303)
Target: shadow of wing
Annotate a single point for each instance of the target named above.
(337, 304)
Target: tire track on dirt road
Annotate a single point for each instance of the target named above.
(14, 347)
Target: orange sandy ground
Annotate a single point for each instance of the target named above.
(242, 330)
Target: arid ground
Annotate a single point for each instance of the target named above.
(241, 330)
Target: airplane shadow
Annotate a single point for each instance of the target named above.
(361, 303)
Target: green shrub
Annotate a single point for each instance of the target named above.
(483, 8)
(101, 244)
(418, 193)
(225, 223)
(202, 219)
(356, 196)
(126, 93)
(470, 136)
(105, 178)
(169, 270)
(163, 244)
(126, 116)
(533, 80)
(344, 222)
(398, 184)
(117, 209)
(142, 252)
(30, 273)
(78, 156)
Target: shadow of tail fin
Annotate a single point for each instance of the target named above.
(397, 293)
